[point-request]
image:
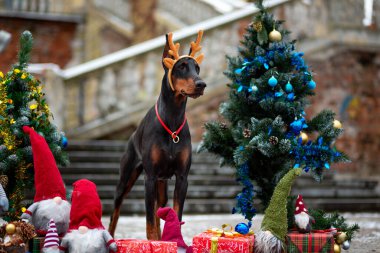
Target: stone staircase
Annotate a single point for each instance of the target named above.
(211, 189)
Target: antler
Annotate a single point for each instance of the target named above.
(174, 48)
(196, 47)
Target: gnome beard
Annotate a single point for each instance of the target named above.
(50, 250)
(88, 242)
(50, 209)
(302, 220)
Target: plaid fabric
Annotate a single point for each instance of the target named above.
(38, 244)
(310, 243)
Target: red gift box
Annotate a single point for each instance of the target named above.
(234, 244)
(145, 246)
(310, 243)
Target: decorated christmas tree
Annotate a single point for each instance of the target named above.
(22, 103)
(266, 131)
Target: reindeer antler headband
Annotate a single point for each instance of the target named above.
(174, 48)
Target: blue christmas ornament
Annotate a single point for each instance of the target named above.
(242, 228)
(272, 81)
(278, 94)
(297, 125)
(266, 66)
(64, 141)
(288, 87)
(311, 85)
(290, 96)
(238, 71)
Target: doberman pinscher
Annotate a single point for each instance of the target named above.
(161, 145)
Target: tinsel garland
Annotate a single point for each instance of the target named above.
(244, 200)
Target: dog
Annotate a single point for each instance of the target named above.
(161, 145)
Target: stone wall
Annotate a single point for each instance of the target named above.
(52, 41)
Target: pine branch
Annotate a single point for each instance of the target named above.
(26, 44)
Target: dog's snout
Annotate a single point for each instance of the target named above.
(200, 84)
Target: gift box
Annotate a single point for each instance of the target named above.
(310, 243)
(210, 242)
(38, 244)
(15, 249)
(145, 246)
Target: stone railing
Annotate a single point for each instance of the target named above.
(111, 88)
(43, 6)
(189, 12)
(119, 8)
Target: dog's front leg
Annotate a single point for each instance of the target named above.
(180, 192)
(152, 228)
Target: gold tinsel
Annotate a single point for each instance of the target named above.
(258, 26)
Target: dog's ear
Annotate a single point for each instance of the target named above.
(165, 53)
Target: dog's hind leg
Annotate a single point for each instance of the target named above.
(130, 170)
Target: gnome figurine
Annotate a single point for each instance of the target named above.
(50, 197)
(4, 204)
(51, 243)
(172, 229)
(302, 218)
(86, 232)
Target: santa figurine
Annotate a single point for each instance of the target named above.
(51, 243)
(50, 197)
(302, 218)
(86, 233)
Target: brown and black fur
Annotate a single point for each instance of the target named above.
(151, 149)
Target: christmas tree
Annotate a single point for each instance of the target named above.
(22, 103)
(267, 131)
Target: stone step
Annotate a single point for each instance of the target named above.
(102, 167)
(96, 145)
(196, 192)
(137, 206)
(112, 179)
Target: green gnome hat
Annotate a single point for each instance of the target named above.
(274, 227)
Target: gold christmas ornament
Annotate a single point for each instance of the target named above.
(10, 229)
(275, 36)
(258, 26)
(337, 124)
(304, 137)
(341, 238)
(337, 248)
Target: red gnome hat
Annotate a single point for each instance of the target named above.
(86, 208)
(47, 178)
(172, 227)
(300, 205)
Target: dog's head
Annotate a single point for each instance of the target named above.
(183, 71)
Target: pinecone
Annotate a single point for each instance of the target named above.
(223, 125)
(247, 133)
(273, 140)
(258, 26)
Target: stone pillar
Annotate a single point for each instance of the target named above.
(143, 19)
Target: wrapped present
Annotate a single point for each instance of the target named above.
(220, 243)
(310, 243)
(139, 246)
(38, 244)
(163, 247)
(15, 249)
